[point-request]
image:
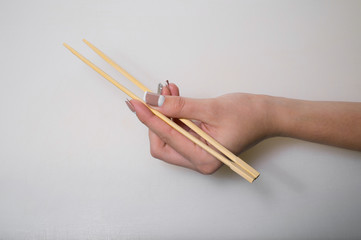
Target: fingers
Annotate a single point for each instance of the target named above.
(174, 90)
(168, 144)
(168, 89)
(155, 141)
(158, 148)
(166, 139)
(163, 151)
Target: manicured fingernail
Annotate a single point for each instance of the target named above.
(130, 106)
(160, 88)
(153, 99)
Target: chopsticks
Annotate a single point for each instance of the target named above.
(235, 163)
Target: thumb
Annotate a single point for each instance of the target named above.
(181, 107)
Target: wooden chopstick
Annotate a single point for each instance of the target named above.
(235, 167)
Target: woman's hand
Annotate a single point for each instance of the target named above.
(236, 120)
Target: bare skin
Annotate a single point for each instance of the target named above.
(238, 121)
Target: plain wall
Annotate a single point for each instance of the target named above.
(75, 162)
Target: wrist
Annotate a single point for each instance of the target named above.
(278, 110)
(290, 116)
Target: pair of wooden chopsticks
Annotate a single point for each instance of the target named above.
(233, 162)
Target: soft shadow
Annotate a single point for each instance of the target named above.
(256, 155)
(268, 147)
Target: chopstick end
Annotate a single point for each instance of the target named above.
(66, 45)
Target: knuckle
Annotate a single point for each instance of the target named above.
(204, 166)
(177, 106)
(143, 120)
(166, 136)
(154, 153)
(205, 169)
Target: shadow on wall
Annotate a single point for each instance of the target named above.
(258, 156)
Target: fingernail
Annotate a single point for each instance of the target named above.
(153, 99)
(130, 106)
(160, 88)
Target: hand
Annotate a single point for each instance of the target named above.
(236, 120)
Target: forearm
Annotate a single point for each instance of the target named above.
(332, 123)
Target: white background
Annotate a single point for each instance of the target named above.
(75, 162)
